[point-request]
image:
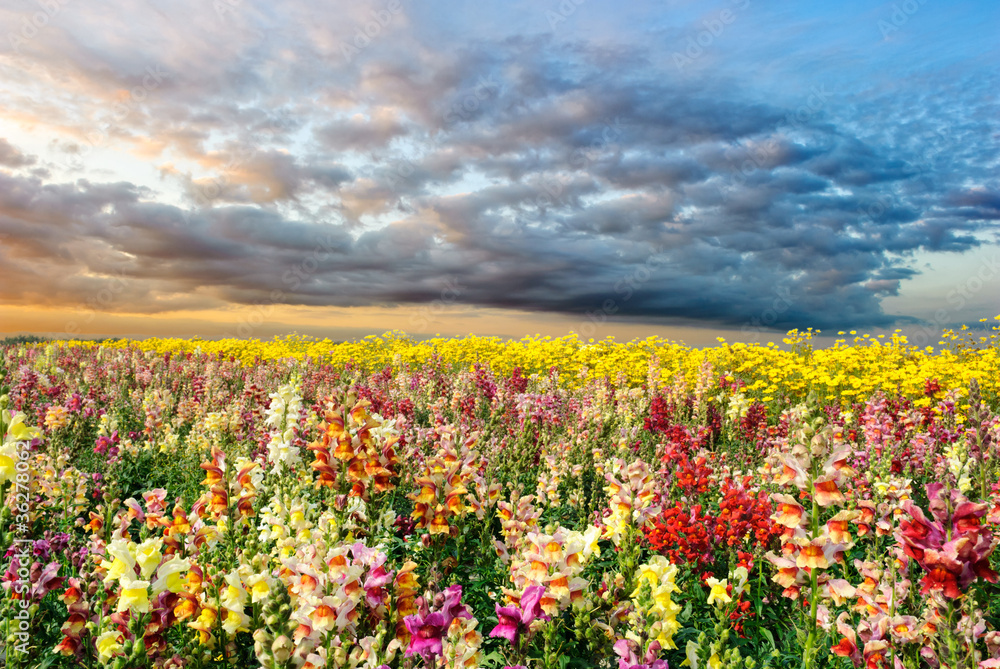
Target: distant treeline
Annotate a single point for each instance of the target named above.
(22, 339)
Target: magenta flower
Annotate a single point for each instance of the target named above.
(951, 565)
(425, 633)
(626, 649)
(427, 629)
(453, 606)
(508, 623)
(531, 604)
(513, 621)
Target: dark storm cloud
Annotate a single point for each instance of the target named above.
(540, 175)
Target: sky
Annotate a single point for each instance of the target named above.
(685, 169)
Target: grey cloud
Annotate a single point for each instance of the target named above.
(580, 174)
(12, 157)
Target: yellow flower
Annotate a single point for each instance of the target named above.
(259, 587)
(8, 458)
(718, 593)
(18, 431)
(233, 596)
(170, 576)
(691, 653)
(108, 644)
(148, 555)
(134, 596)
(235, 621)
(122, 562)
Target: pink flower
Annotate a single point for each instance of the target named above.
(512, 621)
(951, 566)
(427, 629)
(453, 606)
(531, 604)
(625, 649)
(425, 633)
(508, 623)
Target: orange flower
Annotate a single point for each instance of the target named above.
(428, 492)
(180, 524)
(195, 577)
(323, 617)
(307, 583)
(788, 512)
(243, 476)
(791, 472)
(382, 480)
(405, 578)
(553, 551)
(68, 646)
(439, 524)
(838, 528)
(245, 506)
(213, 469)
(454, 502)
(538, 571)
(95, 524)
(812, 557)
(787, 573)
(559, 586)
(344, 449)
(71, 596)
(186, 607)
(74, 625)
(827, 493)
(301, 632)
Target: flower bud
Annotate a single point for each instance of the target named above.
(282, 649)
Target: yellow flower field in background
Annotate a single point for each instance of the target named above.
(848, 370)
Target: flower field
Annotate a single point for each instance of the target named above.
(477, 502)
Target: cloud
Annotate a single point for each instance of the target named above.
(541, 175)
(11, 157)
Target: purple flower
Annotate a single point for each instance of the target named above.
(508, 624)
(427, 629)
(42, 548)
(453, 606)
(512, 621)
(531, 604)
(425, 633)
(625, 649)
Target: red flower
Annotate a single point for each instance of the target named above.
(951, 565)
(940, 578)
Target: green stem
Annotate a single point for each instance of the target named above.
(807, 653)
(892, 612)
(950, 637)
